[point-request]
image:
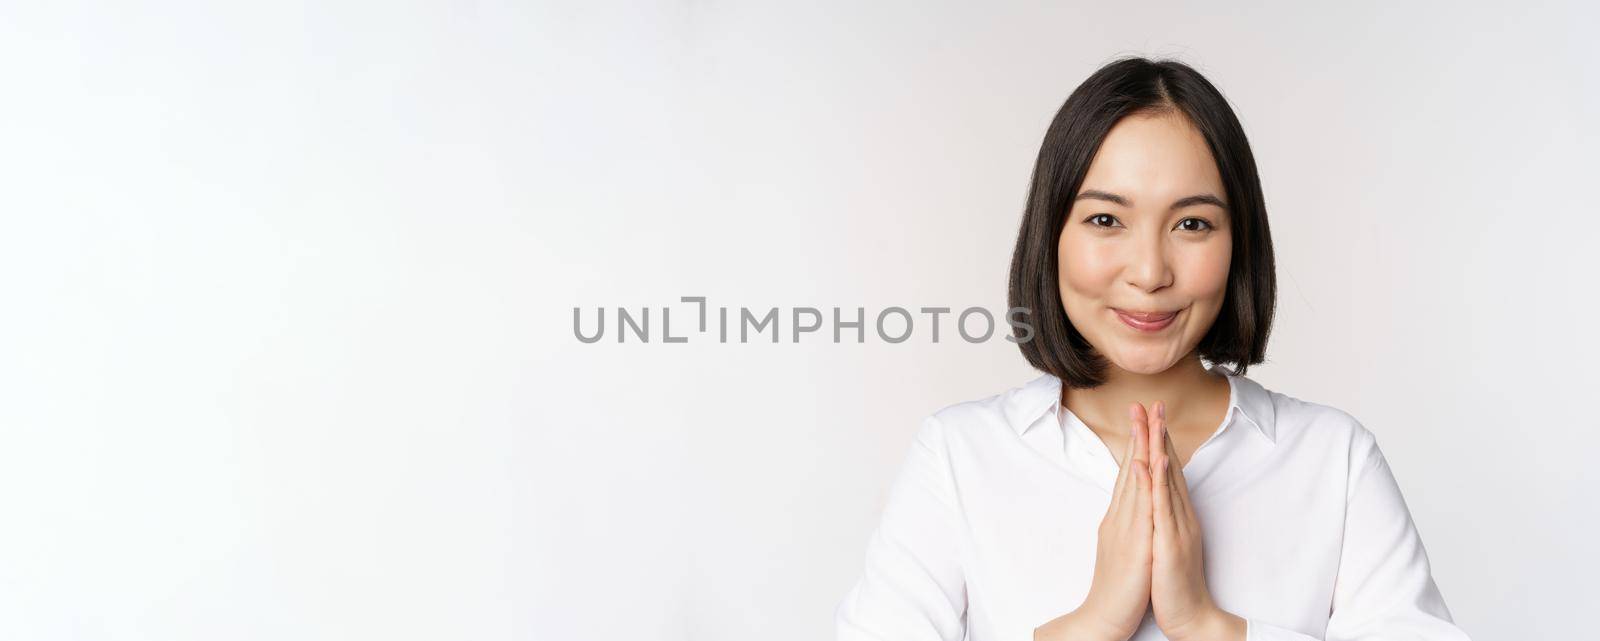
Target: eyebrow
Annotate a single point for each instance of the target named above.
(1186, 201)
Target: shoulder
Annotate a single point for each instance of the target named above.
(1300, 415)
(1007, 412)
(1320, 425)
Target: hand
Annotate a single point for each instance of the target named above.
(1119, 595)
(1178, 594)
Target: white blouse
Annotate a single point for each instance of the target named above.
(991, 525)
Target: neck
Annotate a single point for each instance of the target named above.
(1188, 391)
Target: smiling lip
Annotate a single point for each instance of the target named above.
(1146, 321)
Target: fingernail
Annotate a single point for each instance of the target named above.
(1161, 409)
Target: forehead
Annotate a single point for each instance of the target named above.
(1157, 156)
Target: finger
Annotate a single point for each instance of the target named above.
(1180, 506)
(1141, 435)
(1141, 511)
(1166, 523)
(1124, 475)
(1141, 465)
(1180, 485)
(1180, 515)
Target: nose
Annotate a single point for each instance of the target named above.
(1148, 268)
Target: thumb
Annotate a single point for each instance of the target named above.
(1142, 505)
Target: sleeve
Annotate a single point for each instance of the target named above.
(913, 587)
(1385, 587)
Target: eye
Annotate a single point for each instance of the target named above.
(1208, 225)
(1091, 220)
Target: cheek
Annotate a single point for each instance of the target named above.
(1207, 270)
(1085, 268)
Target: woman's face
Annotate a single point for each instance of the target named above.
(1148, 232)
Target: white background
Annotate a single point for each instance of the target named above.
(286, 347)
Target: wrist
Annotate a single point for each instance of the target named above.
(1081, 623)
(1097, 627)
(1216, 624)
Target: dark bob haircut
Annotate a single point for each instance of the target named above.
(1125, 87)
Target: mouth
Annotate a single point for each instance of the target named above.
(1146, 321)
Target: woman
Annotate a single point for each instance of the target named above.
(1137, 489)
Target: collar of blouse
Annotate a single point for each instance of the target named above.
(1028, 405)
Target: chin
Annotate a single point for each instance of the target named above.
(1144, 364)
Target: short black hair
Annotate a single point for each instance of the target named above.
(1127, 86)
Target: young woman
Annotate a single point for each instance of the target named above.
(1138, 489)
